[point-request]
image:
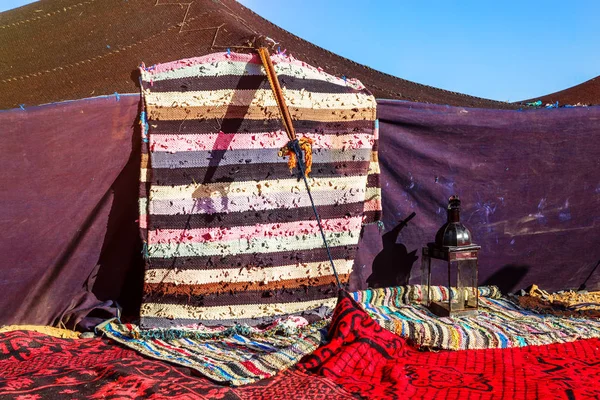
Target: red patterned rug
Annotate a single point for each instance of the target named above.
(35, 366)
(361, 359)
(377, 364)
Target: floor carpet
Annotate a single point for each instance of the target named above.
(35, 366)
(374, 363)
(361, 359)
(500, 322)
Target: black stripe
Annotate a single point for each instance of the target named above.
(373, 180)
(372, 216)
(247, 82)
(241, 173)
(194, 221)
(239, 125)
(257, 297)
(144, 188)
(238, 261)
(156, 322)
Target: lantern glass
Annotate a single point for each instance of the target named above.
(467, 281)
(455, 270)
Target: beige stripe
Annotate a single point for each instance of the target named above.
(373, 168)
(254, 245)
(173, 311)
(144, 160)
(259, 98)
(247, 274)
(324, 115)
(374, 156)
(145, 175)
(372, 193)
(254, 188)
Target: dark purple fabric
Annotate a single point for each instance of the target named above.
(65, 204)
(69, 176)
(529, 184)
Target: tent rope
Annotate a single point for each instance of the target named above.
(295, 146)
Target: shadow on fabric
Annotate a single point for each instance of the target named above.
(393, 264)
(121, 265)
(508, 277)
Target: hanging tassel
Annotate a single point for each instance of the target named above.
(306, 147)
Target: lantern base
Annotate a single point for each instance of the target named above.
(442, 310)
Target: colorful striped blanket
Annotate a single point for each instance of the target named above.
(500, 322)
(237, 359)
(231, 236)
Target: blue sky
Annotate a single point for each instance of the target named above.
(503, 50)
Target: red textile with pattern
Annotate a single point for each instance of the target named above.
(377, 364)
(35, 366)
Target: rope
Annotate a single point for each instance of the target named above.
(295, 147)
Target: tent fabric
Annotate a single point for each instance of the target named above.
(587, 92)
(69, 209)
(230, 230)
(93, 48)
(63, 242)
(527, 180)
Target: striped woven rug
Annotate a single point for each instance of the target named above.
(236, 359)
(500, 322)
(231, 236)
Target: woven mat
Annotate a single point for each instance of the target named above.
(229, 230)
(235, 359)
(500, 322)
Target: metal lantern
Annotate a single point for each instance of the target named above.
(452, 248)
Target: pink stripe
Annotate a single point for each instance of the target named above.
(373, 205)
(210, 58)
(248, 58)
(168, 346)
(269, 140)
(252, 232)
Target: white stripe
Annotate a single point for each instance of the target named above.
(255, 188)
(372, 193)
(143, 205)
(259, 98)
(256, 203)
(145, 174)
